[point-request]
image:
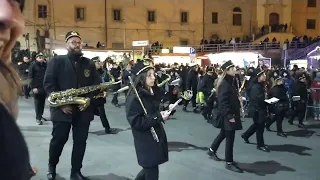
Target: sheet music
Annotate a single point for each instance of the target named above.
(296, 98)
(272, 100)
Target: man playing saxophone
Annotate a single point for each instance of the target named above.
(63, 73)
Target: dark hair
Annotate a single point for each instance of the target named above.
(21, 2)
(139, 82)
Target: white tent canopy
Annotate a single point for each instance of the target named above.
(240, 59)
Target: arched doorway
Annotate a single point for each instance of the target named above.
(274, 18)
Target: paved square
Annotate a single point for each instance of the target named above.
(112, 157)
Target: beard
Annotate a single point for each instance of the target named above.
(75, 52)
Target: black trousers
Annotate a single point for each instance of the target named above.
(39, 103)
(26, 91)
(209, 106)
(60, 135)
(115, 99)
(229, 136)
(172, 97)
(148, 174)
(298, 113)
(103, 117)
(278, 118)
(258, 128)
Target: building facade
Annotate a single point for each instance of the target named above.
(306, 17)
(229, 19)
(116, 23)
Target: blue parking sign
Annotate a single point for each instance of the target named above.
(192, 50)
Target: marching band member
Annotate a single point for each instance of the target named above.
(115, 71)
(36, 75)
(99, 110)
(258, 109)
(142, 111)
(63, 73)
(280, 108)
(205, 87)
(299, 88)
(191, 84)
(227, 117)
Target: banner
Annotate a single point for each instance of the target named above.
(265, 62)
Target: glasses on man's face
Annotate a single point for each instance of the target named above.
(76, 43)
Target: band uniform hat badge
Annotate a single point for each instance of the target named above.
(146, 62)
(86, 73)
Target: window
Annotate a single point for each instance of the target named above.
(184, 42)
(117, 14)
(237, 17)
(151, 16)
(311, 24)
(312, 3)
(184, 17)
(42, 11)
(214, 18)
(117, 45)
(80, 14)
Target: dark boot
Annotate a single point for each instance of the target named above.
(51, 173)
(263, 148)
(301, 125)
(205, 115)
(111, 131)
(184, 109)
(246, 140)
(233, 167)
(281, 134)
(213, 155)
(77, 176)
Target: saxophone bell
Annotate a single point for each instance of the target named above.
(165, 81)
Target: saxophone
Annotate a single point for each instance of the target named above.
(241, 91)
(71, 96)
(164, 81)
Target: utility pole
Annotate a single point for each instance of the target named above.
(105, 23)
(203, 18)
(54, 21)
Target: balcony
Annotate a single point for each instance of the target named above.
(216, 48)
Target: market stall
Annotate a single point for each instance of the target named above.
(313, 58)
(240, 59)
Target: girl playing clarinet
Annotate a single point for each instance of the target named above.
(145, 119)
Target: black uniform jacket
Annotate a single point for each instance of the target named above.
(206, 85)
(257, 105)
(36, 75)
(300, 89)
(24, 70)
(228, 105)
(149, 152)
(62, 74)
(280, 92)
(14, 155)
(116, 73)
(192, 80)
